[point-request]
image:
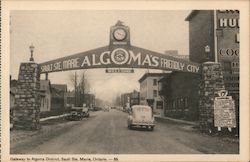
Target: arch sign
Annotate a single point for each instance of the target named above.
(119, 54)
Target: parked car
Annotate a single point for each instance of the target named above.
(96, 108)
(76, 113)
(106, 108)
(141, 116)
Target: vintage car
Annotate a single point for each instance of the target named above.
(141, 116)
(76, 113)
(106, 109)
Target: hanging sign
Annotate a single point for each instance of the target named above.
(132, 57)
(119, 70)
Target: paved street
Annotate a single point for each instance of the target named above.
(107, 133)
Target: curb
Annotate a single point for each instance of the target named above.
(53, 117)
(165, 119)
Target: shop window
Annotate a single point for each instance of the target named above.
(155, 82)
(169, 104)
(174, 104)
(185, 102)
(178, 102)
(155, 93)
(181, 102)
(159, 105)
(47, 104)
(235, 64)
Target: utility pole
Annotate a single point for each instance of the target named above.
(215, 37)
(75, 88)
(83, 88)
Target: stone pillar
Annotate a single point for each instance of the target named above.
(211, 82)
(27, 99)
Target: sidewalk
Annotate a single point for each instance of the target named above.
(53, 117)
(164, 119)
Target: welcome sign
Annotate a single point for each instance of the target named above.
(132, 57)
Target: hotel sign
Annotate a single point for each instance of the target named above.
(132, 57)
(228, 24)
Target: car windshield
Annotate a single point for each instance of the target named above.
(76, 109)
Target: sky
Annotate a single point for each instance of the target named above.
(56, 34)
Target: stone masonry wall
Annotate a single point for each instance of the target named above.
(211, 82)
(27, 110)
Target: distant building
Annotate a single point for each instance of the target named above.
(149, 92)
(59, 97)
(89, 100)
(134, 98)
(99, 102)
(71, 98)
(125, 100)
(45, 94)
(130, 99)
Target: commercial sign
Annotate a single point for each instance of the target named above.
(228, 24)
(228, 35)
(112, 70)
(224, 112)
(132, 57)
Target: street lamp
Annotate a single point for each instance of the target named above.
(207, 51)
(31, 51)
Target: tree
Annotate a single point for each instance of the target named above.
(73, 80)
(81, 86)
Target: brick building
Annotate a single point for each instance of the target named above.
(214, 36)
(149, 92)
(179, 91)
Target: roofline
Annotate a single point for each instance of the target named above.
(148, 75)
(191, 15)
(63, 85)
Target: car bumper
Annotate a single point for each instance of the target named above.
(143, 124)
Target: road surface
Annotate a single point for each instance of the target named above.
(107, 133)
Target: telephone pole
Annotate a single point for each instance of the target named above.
(75, 88)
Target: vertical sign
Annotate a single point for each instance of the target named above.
(228, 35)
(224, 112)
(228, 53)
